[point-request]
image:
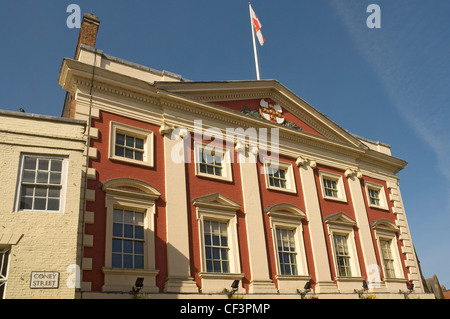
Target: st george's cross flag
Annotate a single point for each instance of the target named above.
(257, 25)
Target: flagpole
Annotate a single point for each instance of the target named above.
(254, 43)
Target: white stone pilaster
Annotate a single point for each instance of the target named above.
(260, 280)
(179, 276)
(365, 234)
(324, 282)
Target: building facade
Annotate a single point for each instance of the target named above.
(41, 181)
(193, 186)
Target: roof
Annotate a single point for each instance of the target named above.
(42, 117)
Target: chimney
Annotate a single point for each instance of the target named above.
(88, 32)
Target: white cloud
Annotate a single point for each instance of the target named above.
(411, 69)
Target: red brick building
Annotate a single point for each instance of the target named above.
(194, 185)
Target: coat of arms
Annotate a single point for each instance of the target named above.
(271, 112)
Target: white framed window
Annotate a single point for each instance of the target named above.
(388, 259)
(130, 234)
(128, 239)
(215, 234)
(42, 182)
(342, 255)
(289, 247)
(332, 186)
(4, 266)
(343, 246)
(376, 196)
(385, 233)
(287, 253)
(212, 161)
(279, 176)
(219, 246)
(131, 144)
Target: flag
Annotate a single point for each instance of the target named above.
(257, 25)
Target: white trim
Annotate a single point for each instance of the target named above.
(342, 197)
(289, 175)
(286, 216)
(381, 195)
(339, 224)
(217, 149)
(146, 135)
(387, 232)
(119, 279)
(64, 173)
(213, 281)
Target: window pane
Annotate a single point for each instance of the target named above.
(43, 164)
(128, 231)
(41, 191)
(117, 230)
(120, 151)
(27, 191)
(56, 166)
(207, 239)
(117, 246)
(26, 203)
(225, 266)
(55, 178)
(139, 143)
(128, 217)
(128, 246)
(40, 203)
(42, 177)
(28, 176)
(117, 260)
(128, 153)
(139, 156)
(53, 204)
(127, 261)
(30, 163)
(209, 266)
(130, 141)
(208, 253)
(216, 253)
(138, 232)
(54, 192)
(118, 216)
(139, 262)
(139, 247)
(120, 139)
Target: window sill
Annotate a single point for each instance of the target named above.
(283, 190)
(130, 161)
(336, 199)
(211, 176)
(379, 207)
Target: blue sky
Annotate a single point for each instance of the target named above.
(390, 84)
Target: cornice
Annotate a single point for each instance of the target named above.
(178, 110)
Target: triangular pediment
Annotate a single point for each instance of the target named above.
(216, 201)
(130, 187)
(285, 211)
(384, 224)
(340, 218)
(267, 101)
